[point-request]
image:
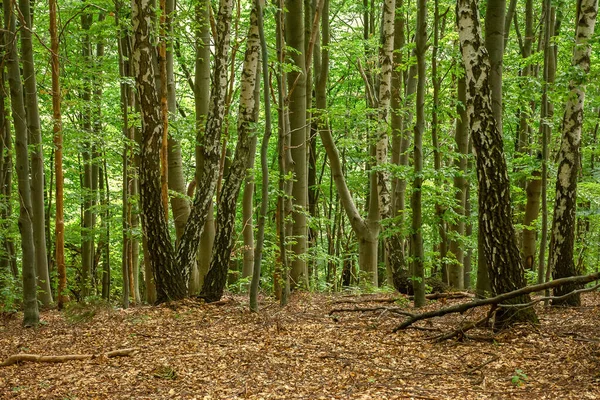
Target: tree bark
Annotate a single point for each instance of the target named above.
(461, 137)
(30, 306)
(417, 254)
(201, 99)
(59, 220)
(37, 155)
(264, 148)
(296, 82)
(500, 249)
(564, 219)
(215, 280)
(170, 283)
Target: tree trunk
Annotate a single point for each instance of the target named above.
(30, 306)
(201, 97)
(296, 82)
(494, 43)
(170, 283)
(264, 148)
(417, 254)
(396, 263)
(564, 220)
(215, 280)
(500, 249)
(59, 220)
(37, 155)
(7, 260)
(461, 137)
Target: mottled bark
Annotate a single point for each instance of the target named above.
(386, 52)
(31, 315)
(215, 280)
(188, 247)
(500, 249)
(170, 283)
(564, 221)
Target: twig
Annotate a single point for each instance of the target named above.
(477, 368)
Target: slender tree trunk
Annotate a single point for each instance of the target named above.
(564, 221)
(264, 148)
(397, 274)
(215, 280)
(164, 107)
(494, 43)
(440, 209)
(175, 176)
(30, 306)
(37, 155)
(461, 137)
(59, 220)
(415, 201)
(201, 97)
(500, 249)
(125, 100)
(7, 260)
(547, 112)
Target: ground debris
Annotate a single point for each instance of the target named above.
(192, 350)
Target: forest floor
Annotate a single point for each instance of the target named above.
(189, 350)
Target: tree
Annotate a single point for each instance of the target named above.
(264, 148)
(30, 306)
(564, 221)
(500, 249)
(415, 201)
(215, 280)
(172, 271)
(296, 83)
(37, 158)
(58, 159)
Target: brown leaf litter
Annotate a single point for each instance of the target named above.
(190, 350)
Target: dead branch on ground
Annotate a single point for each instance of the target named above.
(460, 308)
(17, 358)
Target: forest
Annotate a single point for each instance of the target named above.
(257, 164)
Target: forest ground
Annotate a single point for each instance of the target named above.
(189, 350)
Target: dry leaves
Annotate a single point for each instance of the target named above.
(190, 350)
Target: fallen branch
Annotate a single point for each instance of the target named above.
(17, 358)
(367, 300)
(548, 298)
(447, 296)
(395, 310)
(460, 308)
(461, 332)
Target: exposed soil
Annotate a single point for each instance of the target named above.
(189, 350)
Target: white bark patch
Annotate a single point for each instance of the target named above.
(564, 175)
